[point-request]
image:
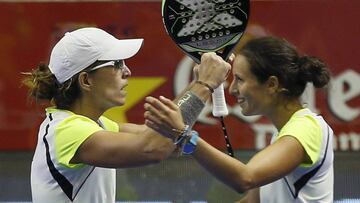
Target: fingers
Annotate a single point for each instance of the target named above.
(151, 125)
(169, 103)
(151, 118)
(163, 112)
(213, 69)
(208, 54)
(164, 105)
(157, 108)
(196, 72)
(160, 129)
(160, 111)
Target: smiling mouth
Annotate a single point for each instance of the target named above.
(240, 100)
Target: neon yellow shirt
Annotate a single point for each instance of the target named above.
(53, 178)
(306, 129)
(73, 131)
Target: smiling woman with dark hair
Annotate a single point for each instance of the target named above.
(269, 77)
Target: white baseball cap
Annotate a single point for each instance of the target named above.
(80, 48)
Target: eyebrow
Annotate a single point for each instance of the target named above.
(237, 75)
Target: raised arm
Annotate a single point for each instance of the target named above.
(137, 145)
(121, 150)
(270, 164)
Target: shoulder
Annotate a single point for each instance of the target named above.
(70, 133)
(109, 124)
(307, 130)
(302, 122)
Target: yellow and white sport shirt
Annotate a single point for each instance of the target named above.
(53, 177)
(310, 182)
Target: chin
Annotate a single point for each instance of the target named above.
(120, 102)
(247, 112)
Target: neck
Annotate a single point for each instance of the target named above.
(282, 113)
(86, 108)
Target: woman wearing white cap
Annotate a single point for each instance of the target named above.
(78, 148)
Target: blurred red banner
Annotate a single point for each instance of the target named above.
(327, 29)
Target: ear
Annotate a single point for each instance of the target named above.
(273, 84)
(85, 81)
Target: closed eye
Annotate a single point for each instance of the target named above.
(238, 78)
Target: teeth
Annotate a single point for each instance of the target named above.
(240, 100)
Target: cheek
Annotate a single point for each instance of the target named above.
(242, 88)
(237, 85)
(101, 79)
(258, 99)
(111, 80)
(250, 94)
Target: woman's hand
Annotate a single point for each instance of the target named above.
(213, 70)
(196, 67)
(163, 116)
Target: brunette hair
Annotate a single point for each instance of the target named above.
(272, 56)
(43, 85)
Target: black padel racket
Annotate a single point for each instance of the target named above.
(199, 26)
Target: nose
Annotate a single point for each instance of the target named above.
(232, 88)
(126, 72)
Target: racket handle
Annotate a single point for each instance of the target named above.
(219, 103)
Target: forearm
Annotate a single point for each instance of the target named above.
(144, 149)
(153, 143)
(192, 83)
(157, 145)
(209, 74)
(131, 128)
(230, 171)
(200, 90)
(123, 150)
(192, 103)
(144, 152)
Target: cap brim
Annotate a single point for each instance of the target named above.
(123, 49)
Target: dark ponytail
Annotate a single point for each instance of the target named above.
(43, 85)
(313, 69)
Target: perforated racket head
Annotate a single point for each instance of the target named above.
(199, 26)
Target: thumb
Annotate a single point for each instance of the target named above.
(231, 59)
(196, 72)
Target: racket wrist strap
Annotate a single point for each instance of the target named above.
(211, 89)
(191, 106)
